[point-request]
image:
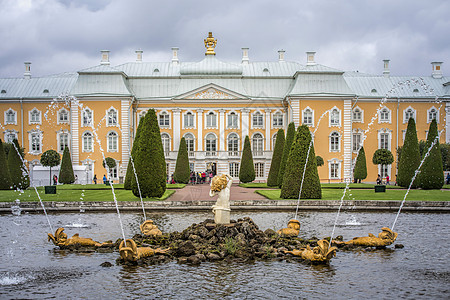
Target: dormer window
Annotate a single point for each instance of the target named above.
(3, 91)
(45, 91)
(156, 70)
(415, 90)
(373, 91)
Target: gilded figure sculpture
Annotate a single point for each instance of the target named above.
(319, 254)
(132, 253)
(150, 229)
(210, 44)
(60, 239)
(292, 230)
(385, 238)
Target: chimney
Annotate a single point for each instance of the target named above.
(310, 58)
(386, 72)
(281, 55)
(105, 57)
(139, 55)
(245, 59)
(27, 73)
(437, 70)
(175, 60)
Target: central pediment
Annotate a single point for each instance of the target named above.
(211, 92)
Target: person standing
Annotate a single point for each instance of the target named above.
(448, 178)
(387, 179)
(104, 178)
(378, 179)
(95, 178)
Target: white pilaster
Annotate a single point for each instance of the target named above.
(176, 128)
(222, 129)
(295, 104)
(199, 129)
(267, 124)
(245, 124)
(347, 138)
(125, 126)
(447, 122)
(75, 134)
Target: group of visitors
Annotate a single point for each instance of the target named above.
(380, 181)
(200, 177)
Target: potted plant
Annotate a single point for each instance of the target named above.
(50, 158)
(382, 157)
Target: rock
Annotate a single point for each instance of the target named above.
(182, 260)
(186, 248)
(399, 246)
(212, 256)
(106, 264)
(210, 226)
(270, 232)
(201, 256)
(194, 260)
(194, 237)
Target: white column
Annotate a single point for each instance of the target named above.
(199, 129)
(222, 129)
(245, 125)
(347, 138)
(268, 125)
(125, 126)
(447, 122)
(74, 134)
(176, 128)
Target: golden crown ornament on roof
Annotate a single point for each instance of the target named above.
(210, 44)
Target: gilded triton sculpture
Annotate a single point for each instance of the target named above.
(60, 239)
(385, 238)
(150, 229)
(132, 253)
(319, 254)
(292, 230)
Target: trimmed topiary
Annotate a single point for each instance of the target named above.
(66, 175)
(431, 174)
(5, 179)
(409, 159)
(247, 169)
(272, 179)
(130, 171)
(360, 171)
(182, 171)
(311, 188)
(149, 159)
(17, 171)
(382, 157)
(110, 162)
(290, 134)
(319, 161)
(50, 158)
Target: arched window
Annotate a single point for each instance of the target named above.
(433, 114)
(258, 120)
(189, 138)
(233, 145)
(385, 115)
(112, 142)
(308, 117)
(357, 115)
(63, 116)
(211, 144)
(87, 142)
(211, 120)
(87, 117)
(164, 119)
(409, 113)
(258, 144)
(335, 117)
(188, 120)
(35, 116)
(112, 117)
(10, 116)
(277, 119)
(334, 142)
(165, 139)
(232, 120)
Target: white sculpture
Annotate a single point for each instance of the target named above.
(221, 185)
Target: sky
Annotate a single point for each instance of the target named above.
(59, 36)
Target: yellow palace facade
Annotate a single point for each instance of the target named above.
(214, 105)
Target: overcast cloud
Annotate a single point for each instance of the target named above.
(67, 35)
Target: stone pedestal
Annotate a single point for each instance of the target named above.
(221, 215)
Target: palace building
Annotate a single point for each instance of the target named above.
(214, 104)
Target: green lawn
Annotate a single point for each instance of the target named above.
(65, 194)
(105, 187)
(263, 185)
(333, 194)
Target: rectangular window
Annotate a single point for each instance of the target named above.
(113, 173)
(384, 170)
(10, 117)
(112, 118)
(211, 120)
(164, 120)
(258, 120)
(277, 120)
(356, 141)
(307, 117)
(63, 116)
(188, 120)
(259, 169)
(234, 169)
(87, 118)
(384, 141)
(63, 141)
(334, 170)
(35, 142)
(232, 120)
(10, 137)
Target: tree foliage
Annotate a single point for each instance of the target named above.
(182, 170)
(247, 169)
(110, 162)
(5, 179)
(296, 163)
(290, 134)
(431, 174)
(319, 161)
(130, 172)
(360, 171)
(409, 159)
(66, 175)
(18, 172)
(382, 157)
(272, 179)
(149, 159)
(50, 158)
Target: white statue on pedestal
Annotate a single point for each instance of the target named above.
(221, 185)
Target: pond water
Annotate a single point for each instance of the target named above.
(30, 268)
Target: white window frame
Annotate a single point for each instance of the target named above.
(114, 172)
(61, 112)
(9, 132)
(337, 162)
(359, 133)
(110, 143)
(84, 144)
(59, 135)
(406, 111)
(308, 109)
(257, 144)
(274, 140)
(166, 143)
(14, 113)
(211, 152)
(389, 112)
(361, 113)
(83, 112)
(428, 114)
(234, 169)
(234, 151)
(185, 120)
(384, 131)
(236, 116)
(277, 119)
(140, 116)
(259, 169)
(111, 111)
(36, 112)
(32, 135)
(210, 117)
(164, 119)
(259, 118)
(333, 135)
(332, 123)
(190, 139)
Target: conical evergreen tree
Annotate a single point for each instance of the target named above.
(360, 171)
(66, 175)
(311, 188)
(130, 172)
(431, 174)
(272, 179)
(17, 171)
(5, 179)
(182, 171)
(149, 159)
(409, 159)
(290, 134)
(247, 169)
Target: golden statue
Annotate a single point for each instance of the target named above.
(148, 228)
(292, 230)
(385, 238)
(60, 239)
(131, 252)
(320, 253)
(210, 44)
